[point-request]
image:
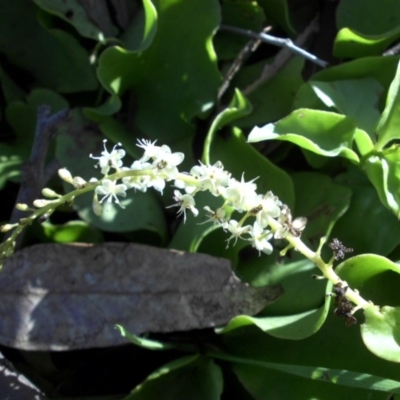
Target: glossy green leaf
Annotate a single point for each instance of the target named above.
(382, 69)
(364, 143)
(278, 11)
(239, 107)
(53, 57)
(333, 346)
(292, 327)
(149, 344)
(365, 217)
(336, 376)
(71, 232)
(381, 330)
(356, 98)
(321, 201)
(187, 378)
(295, 277)
(387, 128)
(377, 16)
(376, 277)
(142, 29)
(383, 170)
(171, 86)
(274, 98)
(350, 43)
(321, 132)
(74, 13)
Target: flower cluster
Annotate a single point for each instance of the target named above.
(265, 217)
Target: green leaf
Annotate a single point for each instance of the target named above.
(143, 342)
(239, 107)
(274, 98)
(336, 376)
(388, 125)
(187, 378)
(380, 332)
(53, 57)
(381, 69)
(171, 86)
(291, 327)
(278, 11)
(365, 217)
(140, 33)
(322, 201)
(321, 132)
(343, 345)
(383, 170)
(356, 98)
(350, 43)
(364, 143)
(73, 12)
(376, 277)
(70, 232)
(376, 17)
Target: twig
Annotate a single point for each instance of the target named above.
(34, 173)
(270, 70)
(280, 42)
(250, 47)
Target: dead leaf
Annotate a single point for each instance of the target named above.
(60, 297)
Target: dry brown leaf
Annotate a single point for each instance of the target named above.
(63, 297)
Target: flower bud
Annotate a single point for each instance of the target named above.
(23, 207)
(65, 175)
(78, 182)
(39, 203)
(7, 227)
(24, 221)
(50, 193)
(97, 207)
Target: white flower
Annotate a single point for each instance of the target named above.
(109, 160)
(269, 208)
(260, 238)
(110, 190)
(241, 195)
(217, 216)
(209, 177)
(236, 230)
(150, 150)
(184, 202)
(166, 163)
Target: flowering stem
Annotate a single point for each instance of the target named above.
(157, 166)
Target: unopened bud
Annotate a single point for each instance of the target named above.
(50, 193)
(97, 207)
(78, 182)
(7, 227)
(23, 207)
(65, 175)
(24, 221)
(39, 203)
